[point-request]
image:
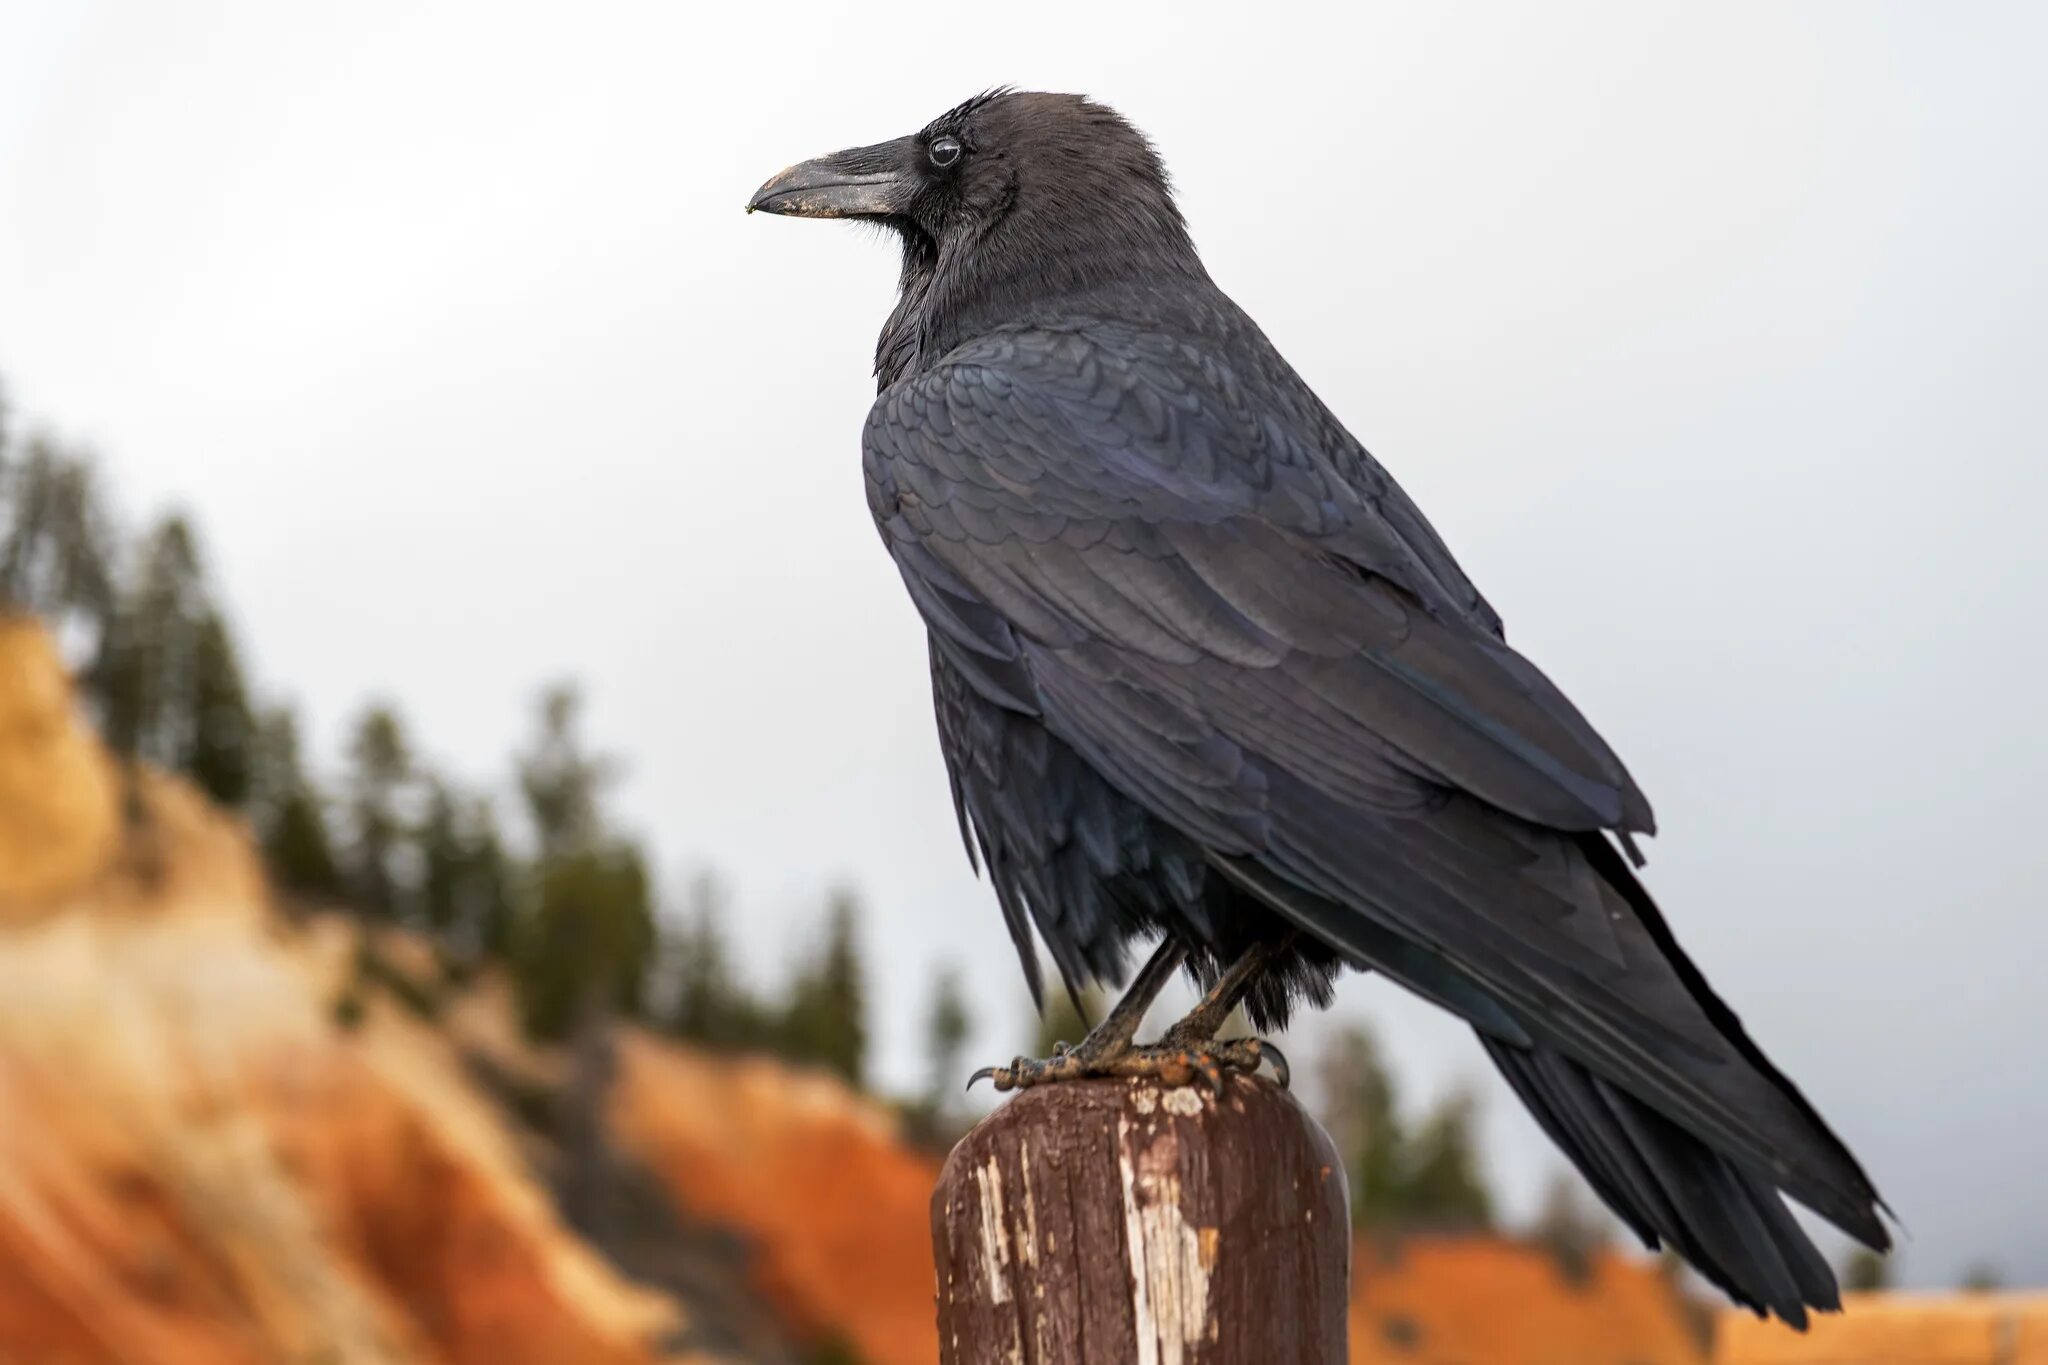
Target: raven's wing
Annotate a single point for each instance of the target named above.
(1119, 496)
(1190, 576)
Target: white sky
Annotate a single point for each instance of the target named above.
(1713, 338)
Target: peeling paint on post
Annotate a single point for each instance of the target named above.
(1125, 1221)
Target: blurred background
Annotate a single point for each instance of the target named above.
(477, 881)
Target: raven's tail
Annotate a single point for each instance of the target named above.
(1672, 1189)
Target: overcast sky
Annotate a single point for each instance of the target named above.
(1714, 339)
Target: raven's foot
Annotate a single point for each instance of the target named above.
(1171, 1061)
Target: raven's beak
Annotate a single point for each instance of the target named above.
(862, 182)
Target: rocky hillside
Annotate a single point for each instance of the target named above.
(226, 1143)
(199, 1164)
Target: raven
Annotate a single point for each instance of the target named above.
(1204, 673)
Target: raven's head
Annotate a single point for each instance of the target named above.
(1004, 202)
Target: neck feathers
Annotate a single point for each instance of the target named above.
(1061, 249)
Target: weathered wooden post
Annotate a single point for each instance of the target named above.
(1112, 1221)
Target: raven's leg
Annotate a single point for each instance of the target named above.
(1108, 1042)
(1195, 1035)
(1188, 1050)
(1199, 1025)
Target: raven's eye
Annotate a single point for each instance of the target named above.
(944, 151)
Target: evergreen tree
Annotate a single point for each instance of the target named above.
(1401, 1178)
(143, 679)
(443, 859)
(1981, 1277)
(56, 545)
(1444, 1187)
(221, 740)
(486, 904)
(561, 781)
(380, 766)
(709, 1006)
(826, 1021)
(584, 952)
(465, 881)
(1570, 1227)
(288, 814)
(1866, 1271)
(585, 948)
(947, 1026)
(1365, 1121)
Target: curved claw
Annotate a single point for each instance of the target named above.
(1281, 1071)
(987, 1073)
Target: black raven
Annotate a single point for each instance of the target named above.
(1205, 673)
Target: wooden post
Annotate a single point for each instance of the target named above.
(1120, 1221)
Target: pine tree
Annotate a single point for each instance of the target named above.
(443, 859)
(1444, 1186)
(562, 782)
(143, 679)
(826, 1020)
(56, 542)
(947, 1026)
(585, 949)
(1981, 1277)
(380, 766)
(221, 740)
(486, 909)
(1402, 1178)
(1571, 1227)
(288, 814)
(1866, 1272)
(1364, 1119)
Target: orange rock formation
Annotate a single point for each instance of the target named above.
(197, 1166)
(1899, 1329)
(1466, 1300)
(816, 1177)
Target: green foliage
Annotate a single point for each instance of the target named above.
(1865, 1271)
(1444, 1186)
(1364, 1120)
(1981, 1278)
(463, 880)
(835, 1348)
(826, 1022)
(146, 674)
(821, 1021)
(573, 918)
(289, 817)
(1427, 1177)
(348, 1010)
(712, 1007)
(56, 546)
(484, 884)
(1571, 1227)
(221, 740)
(947, 1026)
(380, 767)
(441, 859)
(561, 781)
(167, 678)
(587, 942)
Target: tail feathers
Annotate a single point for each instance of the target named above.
(1672, 1189)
